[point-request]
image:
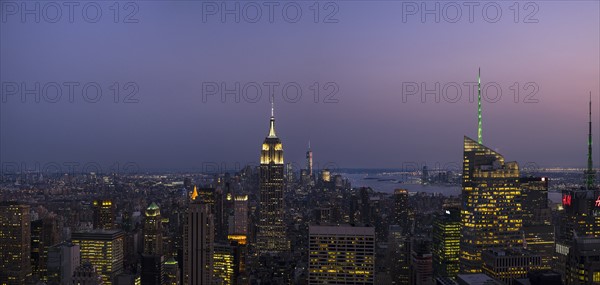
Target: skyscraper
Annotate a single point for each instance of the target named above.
(341, 254)
(153, 230)
(398, 256)
(446, 243)
(198, 244)
(152, 258)
(223, 211)
(479, 125)
(271, 232)
(15, 243)
(583, 262)
(539, 238)
(538, 231)
(37, 247)
(580, 224)
(582, 209)
(491, 205)
(104, 214)
(401, 209)
(104, 250)
(240, 214)
(535, 200)
(309, 161)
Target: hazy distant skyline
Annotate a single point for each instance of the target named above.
(172, 52)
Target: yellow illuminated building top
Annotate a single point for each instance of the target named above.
(241, 239)
(194, 193)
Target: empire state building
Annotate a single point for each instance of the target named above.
(271, 237)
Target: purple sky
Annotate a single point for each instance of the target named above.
(368, 54)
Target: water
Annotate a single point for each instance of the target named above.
(387, 182)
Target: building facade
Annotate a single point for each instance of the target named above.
(104, 214)
(401, 215)
(104, 250)
(15, 243)
(63, 259)
(446, 243)
(341, 255)
(491, 204)
(510, 264)
(198, 244)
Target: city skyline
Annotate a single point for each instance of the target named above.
(299, 142)
(375, 58)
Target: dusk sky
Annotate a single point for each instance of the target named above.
(369, 54)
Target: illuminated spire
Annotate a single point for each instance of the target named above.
(272, 126)
(309, 160)
(590, 173)
(194, 193)
(479, 139)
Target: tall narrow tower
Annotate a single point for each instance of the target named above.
(271, 236)
(590, 174)
(479, 139)
(309, 161)
(152, 258)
